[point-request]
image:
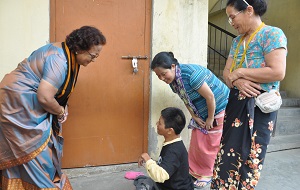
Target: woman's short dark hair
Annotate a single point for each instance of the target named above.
(174, 118)
(164, 60)
(259, 6)
(84, 38)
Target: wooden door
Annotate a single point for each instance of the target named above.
(109, 108)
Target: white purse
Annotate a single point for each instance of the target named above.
(269, 101)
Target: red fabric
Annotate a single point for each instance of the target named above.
(204, 148)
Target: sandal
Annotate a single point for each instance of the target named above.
(199, 181)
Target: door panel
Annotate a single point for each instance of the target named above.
(108, 110)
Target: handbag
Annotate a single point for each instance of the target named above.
(269, 101)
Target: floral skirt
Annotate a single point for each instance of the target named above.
(246, 135)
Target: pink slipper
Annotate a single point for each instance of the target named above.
(132, 175)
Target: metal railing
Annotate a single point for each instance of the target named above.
(219, 43)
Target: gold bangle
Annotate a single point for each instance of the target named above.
(62, 111)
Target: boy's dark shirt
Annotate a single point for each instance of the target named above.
(174, 159)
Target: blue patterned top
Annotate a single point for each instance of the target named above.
(266, 40)
(193, 77)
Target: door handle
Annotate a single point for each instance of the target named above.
(134, 61)
(137, 57)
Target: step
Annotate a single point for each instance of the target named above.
(287, 125)
(283, 94)
(286, 142)
(290, 102)
(289, 111)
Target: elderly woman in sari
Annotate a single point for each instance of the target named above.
(33, 103)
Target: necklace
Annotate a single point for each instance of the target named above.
(233, 65)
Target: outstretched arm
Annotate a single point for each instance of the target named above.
(155, 172)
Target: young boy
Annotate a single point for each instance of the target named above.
(172, 168)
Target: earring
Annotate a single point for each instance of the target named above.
(76, 53)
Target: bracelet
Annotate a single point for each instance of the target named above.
(233, 82)
(62, 111)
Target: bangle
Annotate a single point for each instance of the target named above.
(62, 111)
(233, 82)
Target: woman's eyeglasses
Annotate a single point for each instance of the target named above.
(92, 56)
(230, 19)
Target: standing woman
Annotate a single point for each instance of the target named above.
(256, 63)
(205, 96)
(33, 100)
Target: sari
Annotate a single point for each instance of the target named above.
(30, 138)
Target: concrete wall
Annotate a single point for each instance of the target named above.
(24, 27)
(285, 15)
(179, 26)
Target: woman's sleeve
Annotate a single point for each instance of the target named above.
(55, 70)
(198, 77)
(232, 48)
(274, 39)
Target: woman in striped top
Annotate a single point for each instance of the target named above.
(205, 96)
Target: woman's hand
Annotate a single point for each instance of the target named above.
(228, 82)
(200, 122)
(63, 117)
(197, 119)
(248, 88)
(209, 123)
(233, 76)
(230, 79)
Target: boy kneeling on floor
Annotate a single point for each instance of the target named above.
(172, 168)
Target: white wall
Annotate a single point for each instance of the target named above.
(179, 26)
(24, 27)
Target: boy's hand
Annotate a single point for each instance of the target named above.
(143, 159)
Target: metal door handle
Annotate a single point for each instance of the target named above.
(132, 57)
(135, 65)
(134, 61)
